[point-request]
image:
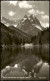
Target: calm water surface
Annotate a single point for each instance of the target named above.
(32, 60)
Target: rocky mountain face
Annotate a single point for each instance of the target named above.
(30, 25)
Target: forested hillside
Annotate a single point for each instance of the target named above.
(11, 35)
(41, 38)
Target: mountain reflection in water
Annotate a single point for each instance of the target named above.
(29, 62)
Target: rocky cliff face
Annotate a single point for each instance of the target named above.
(30, 25)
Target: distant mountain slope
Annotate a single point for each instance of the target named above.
(10, 35)
(19, 31)
(30, 25)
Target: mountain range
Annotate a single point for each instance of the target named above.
(28, 24)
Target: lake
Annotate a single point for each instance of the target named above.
(25, 62)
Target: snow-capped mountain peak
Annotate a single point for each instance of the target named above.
(25, 16)
(31, 18)
(38, 27)
(30, 25)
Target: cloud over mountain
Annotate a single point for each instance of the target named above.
(44, 24)
(45, 17)
(13, 3)
(15, 10)
(11, 13)
(35, 12)
(24, 4)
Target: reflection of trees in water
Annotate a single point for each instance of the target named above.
(31, 69)
(9, 54)
(42, 52)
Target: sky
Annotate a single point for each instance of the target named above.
(15, 10)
